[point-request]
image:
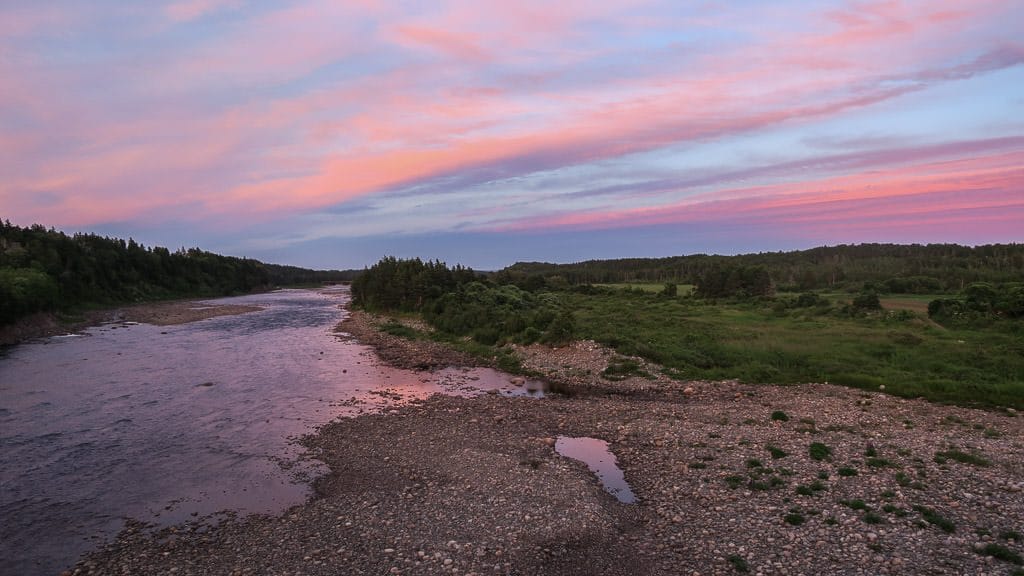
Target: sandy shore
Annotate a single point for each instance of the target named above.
(474, 485)
(158, 313)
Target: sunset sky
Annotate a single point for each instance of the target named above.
(328, 133)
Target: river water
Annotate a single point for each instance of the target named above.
(164, 424)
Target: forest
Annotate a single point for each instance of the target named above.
(44, 270)
(892, 268)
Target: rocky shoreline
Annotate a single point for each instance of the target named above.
(730, 478)
(168, 313)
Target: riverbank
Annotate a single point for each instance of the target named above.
(164, 313)
(811, 479)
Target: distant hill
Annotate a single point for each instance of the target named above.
(43, 270)
(894, 268)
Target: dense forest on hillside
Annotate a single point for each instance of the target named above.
(892, 268)
(46, 270)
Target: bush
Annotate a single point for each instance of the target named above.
(866, 301)
(809, 300)
(24, 291)
(561, 330)
(819, 451)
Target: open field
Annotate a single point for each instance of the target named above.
(650, 287)
(899, 350)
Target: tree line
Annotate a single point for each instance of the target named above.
(47, 270)
(892, 268)
(462, 302)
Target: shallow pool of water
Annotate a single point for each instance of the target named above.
(595, 454)
(163, 424)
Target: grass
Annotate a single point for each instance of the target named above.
(734, 481)
(739, 563)
(872, 518)
(622, 368)
(878, 463)
(401, 330)
(855, 504)
(779, 416)
(759, 343)
(962, 457)
(794, 518)
(819, 451)
(657, 287)
(1000, 552)
(846, 471)
(776, 452)
(932, 517)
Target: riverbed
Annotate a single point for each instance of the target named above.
(165, 424)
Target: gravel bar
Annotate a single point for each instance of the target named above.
(729, 478)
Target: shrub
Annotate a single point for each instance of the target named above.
(739, 563)
(1001, 552)
(962, 457)
(819, 451)
(866, 301)
(794, 518)
(933, 517)
(780, 416)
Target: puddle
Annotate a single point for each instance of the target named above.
(595, 454)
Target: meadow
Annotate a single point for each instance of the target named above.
(897, 349)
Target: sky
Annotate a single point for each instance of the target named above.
(328, 134)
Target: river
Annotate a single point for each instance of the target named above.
(166, 424)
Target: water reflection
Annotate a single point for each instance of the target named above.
(166, 423)
(595, 454)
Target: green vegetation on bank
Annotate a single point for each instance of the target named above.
(960, 346)
(45, 270)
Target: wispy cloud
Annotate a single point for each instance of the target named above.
(497, 116)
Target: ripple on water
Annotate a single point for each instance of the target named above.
(126, 423)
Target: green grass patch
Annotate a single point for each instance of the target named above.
(962, 457)
(819, 451)
(1000, 552)
(401, 330)
(872, 518)
(794, 518)
(855, 504)
(932, 517)
(776, 452)
(846, 471)
(878, 463)
(622, 368)
(739, 563)
(755, 341)
(734, 481)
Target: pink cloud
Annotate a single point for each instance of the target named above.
(423, 120)
(959, 186)
(459, 46)
(187, 10)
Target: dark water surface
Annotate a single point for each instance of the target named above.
(163, 424)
